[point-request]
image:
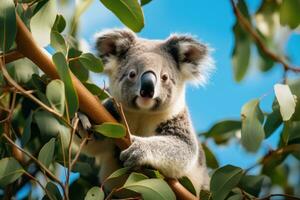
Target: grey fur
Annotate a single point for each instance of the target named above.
(164, 137)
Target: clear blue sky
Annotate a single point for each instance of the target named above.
(222, 98)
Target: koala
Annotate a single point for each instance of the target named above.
(149, 77)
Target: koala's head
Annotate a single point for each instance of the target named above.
(150, 75)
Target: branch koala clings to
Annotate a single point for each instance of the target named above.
(148, 77)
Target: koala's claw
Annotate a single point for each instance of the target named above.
(133, 156)
(84, 120)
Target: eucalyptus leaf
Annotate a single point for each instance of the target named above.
(57, 41)
(55, 93)
(41, 23)
(10, 171)
(289, 13)
(211, 160)
(8, 26)
(95, 193)
(222, 131)
(59, 24)
(224, 180)
(53, 191)
(118, 173)
(152, 189)
(134, 177)
(90, 62)
(27, 130)
(47, 152)
(110, 129)
(128, 11)
(64, 73)
(187, 183)
(47, 123)
(252, 129)
(286, 101)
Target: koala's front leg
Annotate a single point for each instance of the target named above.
(171, 155)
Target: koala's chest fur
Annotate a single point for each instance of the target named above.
(145, 124)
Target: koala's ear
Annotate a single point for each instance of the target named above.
(113, 44)
(192, 57)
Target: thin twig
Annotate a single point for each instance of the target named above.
(83, 142)
(11, 56)
(29, 95)
(76, 120)
(268, 156)
(121, 112)
(39, 183)
(248, 27)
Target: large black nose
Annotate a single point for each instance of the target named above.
(148, 80)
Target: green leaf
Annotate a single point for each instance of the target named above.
(47, 152)
(222, 131)
(47, 123)
(55, 93)
(273, 120)
(118, 173)
(205, 195)
(64, 73)
(187, 183)
(144, 2)
(252, 129)
(22, 70)
(134, 177)
(110, 129)
(241, 53)
(152, 189)
(224, 180)
(286, 101)
(95, 90)
(211, 160)
(53, 191)
(8, 26)
(41, 23)
(27, 130)
(10, 171)
(276, 158)
(252, 184)
(236, 197)
(95, 193)
(90, 62)
(128, 11)
(289, 13)
(58, 42)
(79, 70)
(59, 24)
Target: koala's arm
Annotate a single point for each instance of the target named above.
(173, 151)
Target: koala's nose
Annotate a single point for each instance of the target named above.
(148, 80)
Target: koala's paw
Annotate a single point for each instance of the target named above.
(84, 120)
(134, 156)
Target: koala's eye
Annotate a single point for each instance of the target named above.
(132, 74)
(164, 77)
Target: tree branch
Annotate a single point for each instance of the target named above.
(89, 104)
(11, 56)
(259, 42)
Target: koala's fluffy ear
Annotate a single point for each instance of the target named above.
(113, 44)
(191, 56)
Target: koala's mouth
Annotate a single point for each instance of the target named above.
(146, 103)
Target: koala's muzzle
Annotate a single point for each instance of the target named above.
(148, 81)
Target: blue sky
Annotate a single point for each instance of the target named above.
(222, 98)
